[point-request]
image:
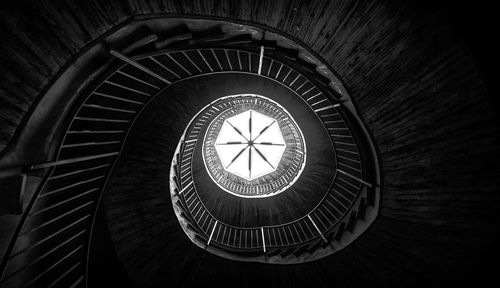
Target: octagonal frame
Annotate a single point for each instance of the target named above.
(298, 130)
(244, 148)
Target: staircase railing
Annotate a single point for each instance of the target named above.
(50, 245)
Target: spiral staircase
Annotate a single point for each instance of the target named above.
(339, 209)
(90, 89)
(50, 245)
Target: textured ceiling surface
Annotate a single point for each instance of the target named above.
(416, 84)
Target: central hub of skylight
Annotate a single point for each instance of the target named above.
(250, 144)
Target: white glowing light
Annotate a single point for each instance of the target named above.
(250, 144)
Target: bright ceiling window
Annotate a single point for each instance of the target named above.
(250, 144)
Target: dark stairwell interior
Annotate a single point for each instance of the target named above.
(419, 75)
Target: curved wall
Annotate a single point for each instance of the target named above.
(414, 80)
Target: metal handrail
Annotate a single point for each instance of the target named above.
(291, 223)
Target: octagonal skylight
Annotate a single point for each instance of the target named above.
(250, 144)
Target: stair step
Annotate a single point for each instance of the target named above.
(268, 44)
(201, 237)
(140, 43)
(273, 252)
(239, 39)
(212, 34)
(352, 221)
(340, 231)
(287, 252)
(315, 245)
(166, 41)
(362, 209)
(300, 250)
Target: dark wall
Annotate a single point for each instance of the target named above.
(40, 38)
(104, 267)
(418, 72)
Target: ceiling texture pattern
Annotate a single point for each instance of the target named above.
(418, 85)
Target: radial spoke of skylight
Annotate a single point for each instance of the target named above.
(232, 143)
(237, 130)
(237, 156)
(272, 153)
(269, 143)
(264, 130)
(250, 162)
(269, 135)
(263, 157)
(259, 165)
(228, 153)
(250, 125)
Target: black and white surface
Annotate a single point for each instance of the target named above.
(419, 73)
(256, 140)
